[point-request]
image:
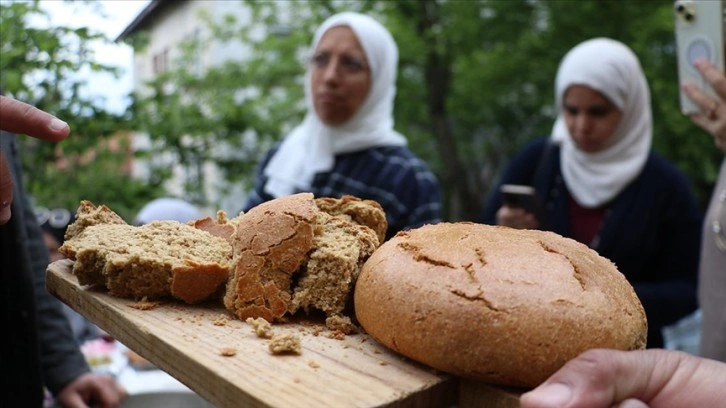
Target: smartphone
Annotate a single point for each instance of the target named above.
(520, 196)
(699, 31)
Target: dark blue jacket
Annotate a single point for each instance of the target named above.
(393, 176)
(39, 349)
(651, 231)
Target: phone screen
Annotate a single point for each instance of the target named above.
(520, 196)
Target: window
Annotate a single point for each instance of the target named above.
(161, 61)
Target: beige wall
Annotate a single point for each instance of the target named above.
(175, 24)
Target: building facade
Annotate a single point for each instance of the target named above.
(156, 36)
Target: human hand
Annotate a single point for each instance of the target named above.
(516, 218)
(92, 390)
(19, 117)
(714, 121)
(652, 378)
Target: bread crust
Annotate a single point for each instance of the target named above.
(297, 252)
(271, 242)
(495, 304)
(220, 227)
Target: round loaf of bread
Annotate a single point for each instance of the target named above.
(500, 305)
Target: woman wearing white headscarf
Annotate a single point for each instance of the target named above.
(346, 144)
(600, 183)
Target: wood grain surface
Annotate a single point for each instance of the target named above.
(187, 341)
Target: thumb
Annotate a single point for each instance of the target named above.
(602, 378)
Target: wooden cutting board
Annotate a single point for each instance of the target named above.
(187, 341)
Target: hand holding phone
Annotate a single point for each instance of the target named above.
(699, 31)
(520, 196)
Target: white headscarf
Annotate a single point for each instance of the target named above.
(171, 209)
(612, 69)
(310, 148)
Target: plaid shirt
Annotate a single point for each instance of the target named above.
(393, 176)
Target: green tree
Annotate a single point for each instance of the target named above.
(46, 68)
(229, 114)
(476, 81)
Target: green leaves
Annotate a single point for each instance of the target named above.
(475, 83)
(48, 67)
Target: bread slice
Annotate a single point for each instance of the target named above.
(332, 266)
(290, 255)
(495, 304)
(153, 261)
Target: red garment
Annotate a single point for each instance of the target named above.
(585, 223)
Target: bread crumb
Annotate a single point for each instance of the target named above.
(221, 320)
(336, 335)
(340, 323)
(261, 327)
(287, 343)
(227, 351)
(383, 363)
(313, 364)
(144, 304)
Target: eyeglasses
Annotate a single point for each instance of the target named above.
(56, 217)
(347, 64)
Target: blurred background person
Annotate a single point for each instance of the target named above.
(712, 272)
(53, 223)
(39, 352)
(167, 208)
(346, 144)
(601, 184)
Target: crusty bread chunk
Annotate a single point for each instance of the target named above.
(496, 304)
(290, 255)
(153, 261)
(271, 243)
(88, 214)
(362, 212)
(339, 250)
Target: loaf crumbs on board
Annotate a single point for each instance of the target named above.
(261, 327)
(288, 343)
(221, 320)
(336, 335)
(144, 304)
